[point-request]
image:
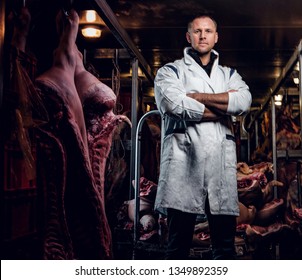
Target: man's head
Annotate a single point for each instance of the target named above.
(202, 33)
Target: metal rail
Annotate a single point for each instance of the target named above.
(138, 138)
(122, 36)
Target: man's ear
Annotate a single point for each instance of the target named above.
(188, 37)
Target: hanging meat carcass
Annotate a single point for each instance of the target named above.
(72, 159)
(23, 108)
(293, 204)
(98, 101)
(21, 112)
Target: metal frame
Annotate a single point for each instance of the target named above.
(138, 137)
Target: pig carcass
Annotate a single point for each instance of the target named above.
(98, 101)
(76, 225)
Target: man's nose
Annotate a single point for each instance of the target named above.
(202, 34)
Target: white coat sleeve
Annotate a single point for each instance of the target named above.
(171, 98)
(241, 99)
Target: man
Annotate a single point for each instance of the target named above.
(197, 98)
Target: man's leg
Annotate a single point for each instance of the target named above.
(222, 231)
(181, 229)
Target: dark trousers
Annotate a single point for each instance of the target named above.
(181, 228)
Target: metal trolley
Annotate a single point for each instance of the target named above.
(138, 138)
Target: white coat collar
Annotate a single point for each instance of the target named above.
(193, 66)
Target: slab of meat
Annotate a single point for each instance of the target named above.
(254, 187)
(148, 222)
(268, 213)
(251, 194)
(287, 140)
(298, 213)
(257, 233)
(98, 101)
(147, 189)
(293, 215)
(246, 214)
(264, 167)
(268, 190)
(75, 224)
(146, 207)
(287, 133)
(201, 239)
(22, 101)
(292, 221)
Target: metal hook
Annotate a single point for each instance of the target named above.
(65, 12)
(67, 5)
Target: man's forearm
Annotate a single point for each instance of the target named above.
(217, 103)
(209, 115)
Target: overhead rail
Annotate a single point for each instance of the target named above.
(122, 36)
(276, 87)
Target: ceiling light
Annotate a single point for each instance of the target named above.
(90, 16)
(91, 32)
(278, 99)
(91, 24)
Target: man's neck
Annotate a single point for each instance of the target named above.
(205, 58)
(205, 61)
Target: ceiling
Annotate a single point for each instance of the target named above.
(256, 37)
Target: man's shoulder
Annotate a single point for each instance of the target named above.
(177, 62)
(227, 69)
(175, 66)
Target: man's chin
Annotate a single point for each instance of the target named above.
(202, 51)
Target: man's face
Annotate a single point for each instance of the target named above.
(202, 35)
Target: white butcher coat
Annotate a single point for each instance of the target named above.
(198, 158)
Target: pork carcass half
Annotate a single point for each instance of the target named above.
(98, 101)
(76, 225)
